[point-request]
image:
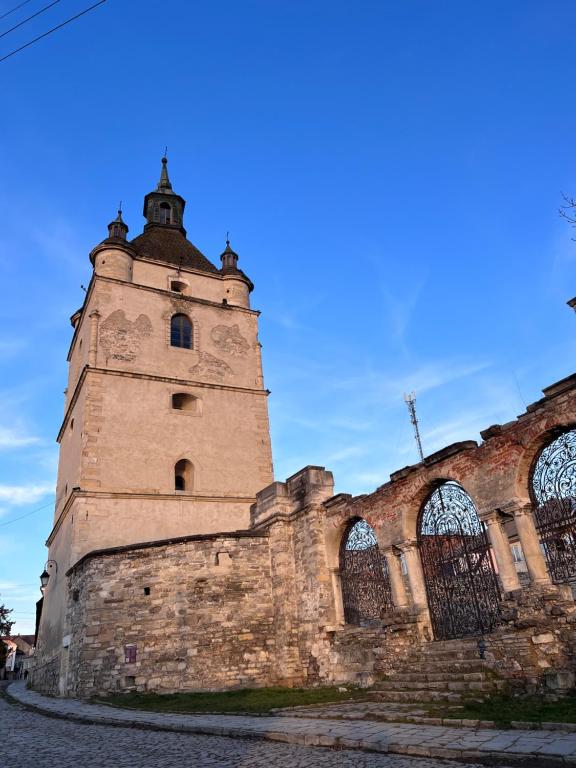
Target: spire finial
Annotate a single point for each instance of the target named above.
(227, 238)
(164, 182)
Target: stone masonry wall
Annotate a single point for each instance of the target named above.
(198, 611)
(536, 639)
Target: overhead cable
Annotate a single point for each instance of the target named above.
(15, 9)
(21, 23)
(50, 31)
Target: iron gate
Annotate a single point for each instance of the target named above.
(461, 584)
(366, 592)
(554, 501)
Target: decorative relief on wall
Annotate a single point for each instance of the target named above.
(227, 338)
(121, 338)
(211, 367)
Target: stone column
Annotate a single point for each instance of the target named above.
(415, 573)
(93, 348)
(502, 552)
(530, 542)
(399, 597)
(337, 590)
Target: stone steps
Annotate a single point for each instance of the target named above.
(447, 671)
(439, 685)
(471, 665)
(415, 697)
(411, 677)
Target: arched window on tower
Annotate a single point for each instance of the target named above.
(183, 475)
(165, 214)
(181, 331)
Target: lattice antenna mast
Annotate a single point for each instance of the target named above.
(410, 400)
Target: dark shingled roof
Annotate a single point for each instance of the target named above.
(171, 246)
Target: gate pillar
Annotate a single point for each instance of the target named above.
(502, 552)
(415, 573)
(399, 597)
(530, 542)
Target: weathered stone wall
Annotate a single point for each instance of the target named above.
(44, 677)
(207, 622)
(537, 638)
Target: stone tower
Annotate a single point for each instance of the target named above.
(165, 429)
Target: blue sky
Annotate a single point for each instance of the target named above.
(390, 173)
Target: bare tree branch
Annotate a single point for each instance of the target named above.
(568, 211)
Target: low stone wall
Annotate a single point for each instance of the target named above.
(362, 655)
(44, 675)
(536, 644)
(194, 615)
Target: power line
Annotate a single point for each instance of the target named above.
(21, 23)
(54, 29)
(33, 512)
(15, 9)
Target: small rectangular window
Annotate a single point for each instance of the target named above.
(130, 654)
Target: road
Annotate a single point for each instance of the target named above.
(30, 740)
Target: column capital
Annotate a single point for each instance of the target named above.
(407, 546)
(516, 507)
(490, 516)
(392, 549)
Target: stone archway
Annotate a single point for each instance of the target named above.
(366, 592)
(461, 584)
(553, 492)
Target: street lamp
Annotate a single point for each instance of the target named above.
(45, 576)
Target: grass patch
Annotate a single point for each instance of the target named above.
(246, 700)
(503, 709)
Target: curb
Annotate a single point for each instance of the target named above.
(446, 722)
(529, 760)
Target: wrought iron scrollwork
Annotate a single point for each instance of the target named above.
(461, 583)
(553, 489)
(366, 592)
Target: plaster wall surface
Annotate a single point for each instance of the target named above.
(134, 334)
(198, 284)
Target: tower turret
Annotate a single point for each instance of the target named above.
(164, 208)
(229, 259)
(118, 228)
(237, 285)
(113, 257)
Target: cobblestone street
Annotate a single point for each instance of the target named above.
(30, 740)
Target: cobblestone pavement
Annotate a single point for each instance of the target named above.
(468, 744)
(30, 740)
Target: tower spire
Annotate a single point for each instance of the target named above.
(163, 207)
(164, 182)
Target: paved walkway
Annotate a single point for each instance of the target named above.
(539, 747)
(30, 740)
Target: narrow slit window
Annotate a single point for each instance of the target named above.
(165, 214)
